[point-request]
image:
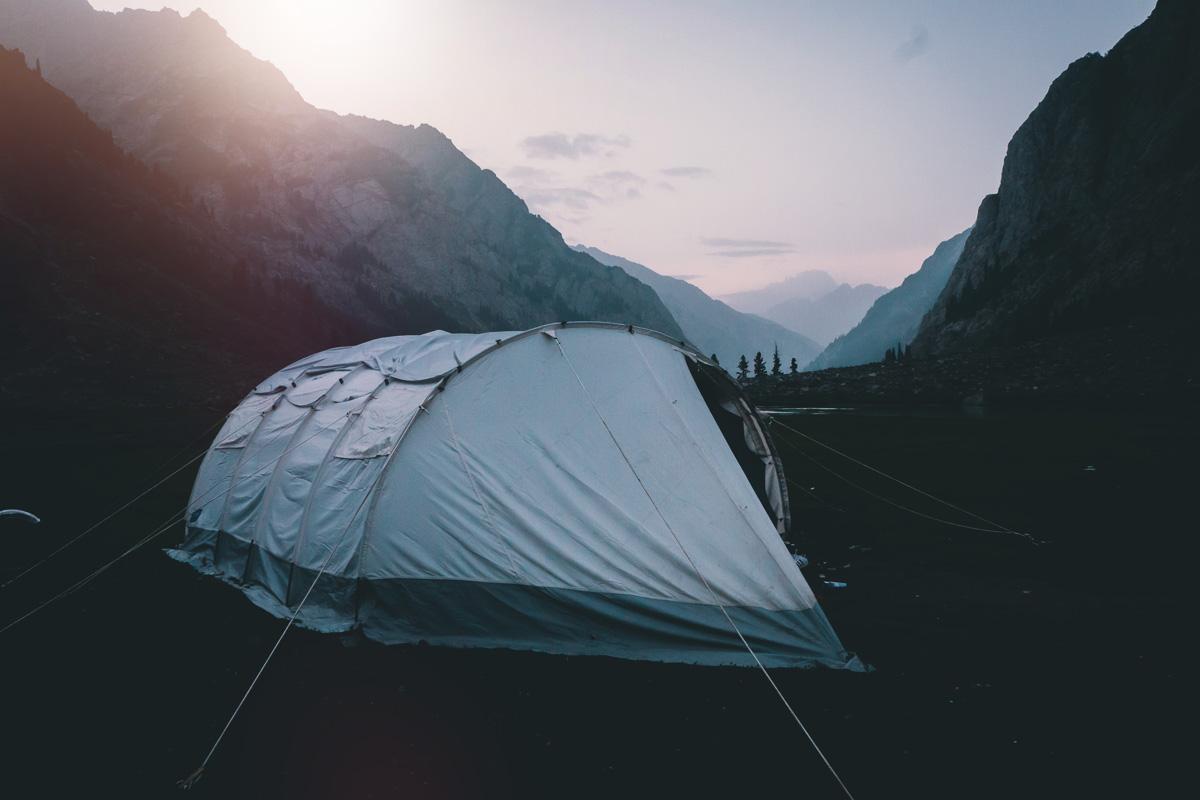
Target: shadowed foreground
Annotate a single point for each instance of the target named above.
(1002, 669)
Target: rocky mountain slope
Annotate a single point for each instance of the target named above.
(895, 316)
(379, 219)
(116, 289)
(825, 317)
(712, 326)
(1095, 218)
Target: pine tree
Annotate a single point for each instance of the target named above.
(743, 368)
(889, 357)
(716, 360)
(760, 366)
(907, 352)
(776, 364)
(793, 367)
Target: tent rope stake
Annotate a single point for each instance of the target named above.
(700, 576)
(192, 779)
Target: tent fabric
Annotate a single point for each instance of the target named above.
(566, 493)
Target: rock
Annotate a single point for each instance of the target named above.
(1094, 219)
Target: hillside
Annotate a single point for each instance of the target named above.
(117, 281)
(896, 315)
(379, 219)
(1094, 222)
(712, 326)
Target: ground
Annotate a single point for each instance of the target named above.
(1001, 669)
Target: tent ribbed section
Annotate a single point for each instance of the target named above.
(580, 488)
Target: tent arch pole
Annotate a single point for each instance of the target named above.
(373, 500)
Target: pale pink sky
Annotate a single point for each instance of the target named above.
(738, 142)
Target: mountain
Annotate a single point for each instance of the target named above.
(810, 303)
(116, 289)
(1094, 222)
(379, 219)
(810, 284)
(828, 315)
(895, 316)
(712, 326)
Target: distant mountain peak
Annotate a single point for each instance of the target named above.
(710, 325)
(894, 316)
(809, 284)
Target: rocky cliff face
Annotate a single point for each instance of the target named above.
(1095, 218)
(381, 220)
(895, 316)
(712, 326)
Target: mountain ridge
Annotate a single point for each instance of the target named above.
(829, 315)
(118, 279)
(1094, 219)
(375, 216)
(896, 315)
(711, 325)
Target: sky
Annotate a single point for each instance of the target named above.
(730, 143)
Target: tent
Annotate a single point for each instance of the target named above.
(578, 488)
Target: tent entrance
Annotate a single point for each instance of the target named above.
(747, 439)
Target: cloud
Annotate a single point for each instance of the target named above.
(670, 187)
(746, 248)
(912, 47)
(525, 174)
(687, 172)
(545, 189)
(752, 253)
(581, 145)
(745, 243)
(687, 276)
(565, 196)
(619, 177)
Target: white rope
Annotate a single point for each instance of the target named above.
(93, 527)
(121, 508)
(883, 499)
(996, 527)
(194, 777)
(180, 513)
(174, 518)
(700, 575)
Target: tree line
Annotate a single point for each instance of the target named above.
(760, 366)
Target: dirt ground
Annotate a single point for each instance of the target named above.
(1001, 669)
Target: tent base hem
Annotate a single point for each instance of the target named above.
(478, 614)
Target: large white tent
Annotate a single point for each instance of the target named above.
(579, 488)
